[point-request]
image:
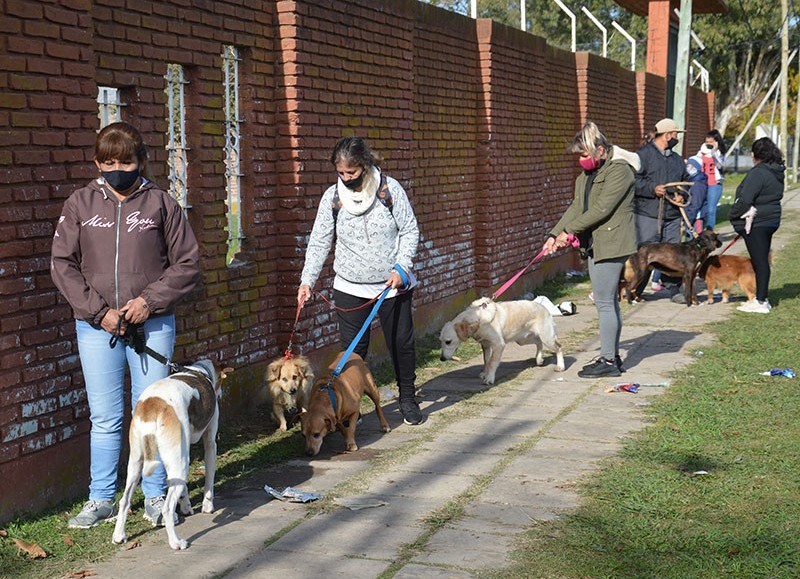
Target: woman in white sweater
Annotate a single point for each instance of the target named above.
(376, 237)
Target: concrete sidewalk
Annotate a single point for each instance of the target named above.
(512, 453)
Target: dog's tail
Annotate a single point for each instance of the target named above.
(150, 454)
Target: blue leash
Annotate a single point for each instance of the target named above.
(340, 366)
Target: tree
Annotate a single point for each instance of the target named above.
(743, 57)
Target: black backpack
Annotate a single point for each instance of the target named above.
(384, 196)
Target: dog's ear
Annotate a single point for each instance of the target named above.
(462, 330)
(329, 425)
(274, 368)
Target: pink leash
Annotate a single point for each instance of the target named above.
(572, 241)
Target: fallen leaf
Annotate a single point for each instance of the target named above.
(33, 550)
(80, 574)
(132, 545)
(3, 533)
(68, 541)
(674, 427)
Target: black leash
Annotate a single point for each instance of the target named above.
(135, 338)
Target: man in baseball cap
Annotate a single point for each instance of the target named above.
(658, 220)
(667, 126)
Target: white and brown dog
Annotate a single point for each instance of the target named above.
(171, 414)
(288, 380)
(494, 324)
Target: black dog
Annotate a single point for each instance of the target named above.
(674, 259)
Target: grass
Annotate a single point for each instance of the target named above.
(648, 514)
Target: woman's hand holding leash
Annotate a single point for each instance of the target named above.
(561, 241)
(111, 322)
(303, 295)
(136, 311)
(395, 281)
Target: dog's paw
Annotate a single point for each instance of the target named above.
(489, 380)
(352, 447)
(386, 428)
(208, 506)
(118, 538)
(179, 545)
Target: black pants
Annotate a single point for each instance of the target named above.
(398, 330)
(759, 242)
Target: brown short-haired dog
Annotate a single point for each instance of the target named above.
(725, 270)
(339, 406)
(674, 259)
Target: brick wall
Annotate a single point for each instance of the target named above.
(699, 119)
(651, 93)
(473, 118)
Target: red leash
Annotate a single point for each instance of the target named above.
(727, 247)
(572, 241)
(288, 352)
(287, 355)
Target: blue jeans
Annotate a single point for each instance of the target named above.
(712, 200)
(104, 377)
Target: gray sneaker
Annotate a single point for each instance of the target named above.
(153, 508)
(92, 514)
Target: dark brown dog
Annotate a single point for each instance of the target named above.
(323, 416)
(725, 270)
(674, 259)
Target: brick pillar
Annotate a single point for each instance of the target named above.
(659, 12)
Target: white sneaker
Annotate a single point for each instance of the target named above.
(755, 307)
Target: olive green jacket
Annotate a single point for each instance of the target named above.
(609, 218)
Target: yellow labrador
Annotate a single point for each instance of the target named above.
(494, 324)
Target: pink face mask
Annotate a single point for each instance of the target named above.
(589, 163)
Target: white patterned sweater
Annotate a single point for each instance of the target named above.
(368, 245)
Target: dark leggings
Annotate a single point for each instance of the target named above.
(759, 242)
(398, 330)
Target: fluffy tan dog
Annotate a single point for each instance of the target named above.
(495, 324)
(722, 271)
(288, 380)
(338, 406)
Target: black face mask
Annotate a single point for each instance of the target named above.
(120, 181)
(355, 182)
(672, 142)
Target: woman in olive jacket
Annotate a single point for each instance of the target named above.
(601, 216)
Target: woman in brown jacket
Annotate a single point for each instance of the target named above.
(123, 255)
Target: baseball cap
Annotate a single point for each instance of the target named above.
(667, 126)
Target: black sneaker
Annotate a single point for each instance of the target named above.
(409, 408)
(618, 362)
(600, 368)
